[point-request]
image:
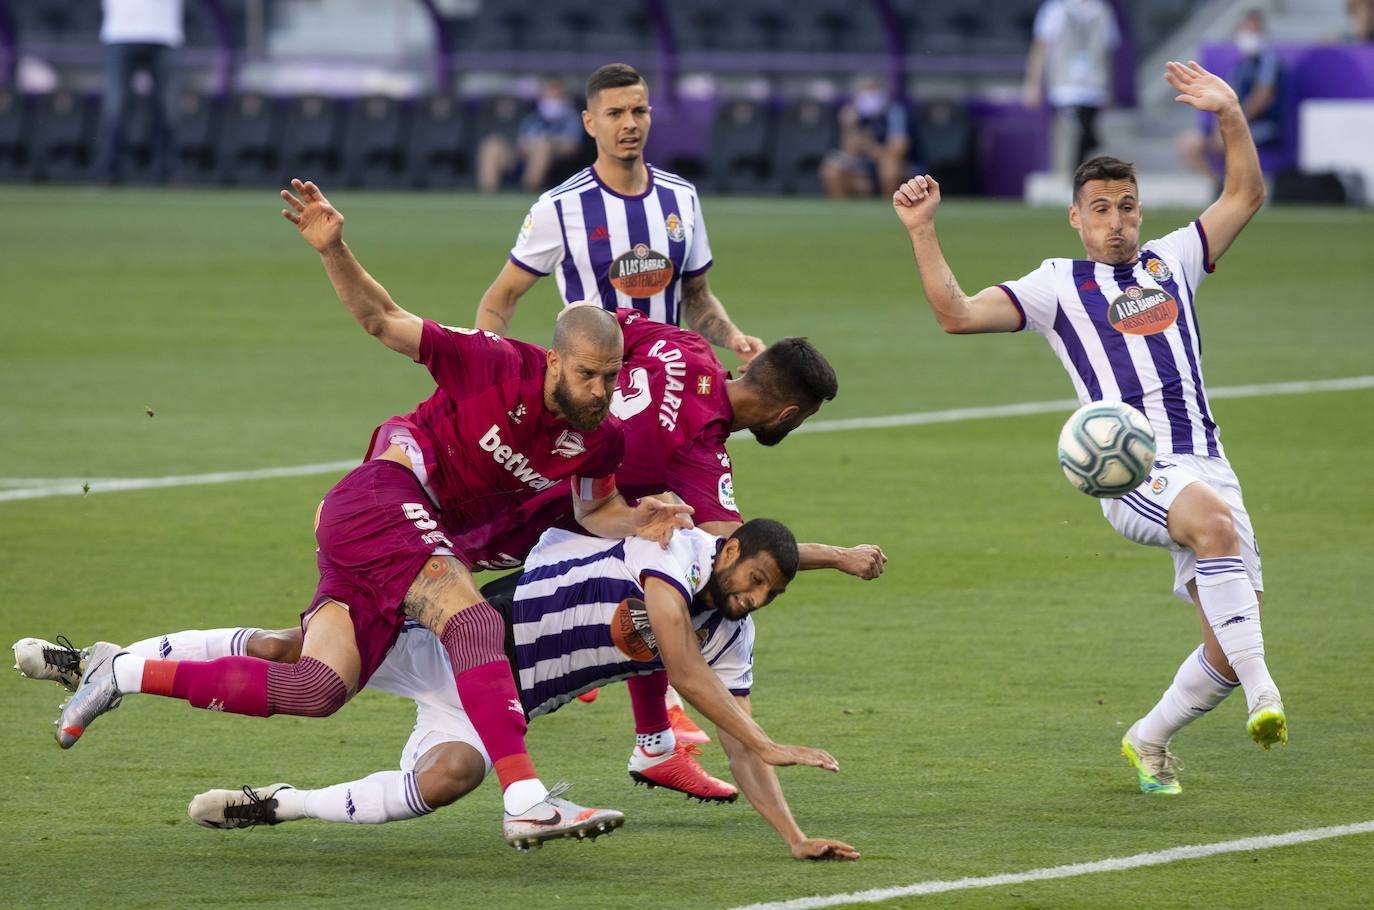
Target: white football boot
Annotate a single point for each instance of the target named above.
(553, 817)
(60, 661)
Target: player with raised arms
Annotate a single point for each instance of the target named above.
(1123, 322)
(386, 530)
(620, 233)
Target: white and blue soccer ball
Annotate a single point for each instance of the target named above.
(1106, 449)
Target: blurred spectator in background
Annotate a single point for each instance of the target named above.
(139, 36)
(549, 135)
(1361, 20)
(875, 140)
(1256, 79)
(1070, 66)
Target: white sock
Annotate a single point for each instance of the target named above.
(655, 744)
(195, 644)
(1197, 688)
(387, 796)
(1232, 610)
(128, 673)
(521, 796)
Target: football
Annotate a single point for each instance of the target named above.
(1106, 449)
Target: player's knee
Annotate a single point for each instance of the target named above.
(282, 646)
(449, 772)
(1214, 533)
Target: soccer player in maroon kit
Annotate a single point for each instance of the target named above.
(508, 420)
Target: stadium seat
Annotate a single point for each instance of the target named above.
(374, 148)
(439, 146)
(310, 139)
(806, 133)
(740, 155)
(247, 148)
(947, 147)
(63, 136)
(15, 162)
(499, 115)
(196, 138)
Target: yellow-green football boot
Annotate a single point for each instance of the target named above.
(1267, 724)
(1156, 769)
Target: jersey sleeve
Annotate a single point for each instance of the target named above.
(1049, 21)
(698, 258)
(1035, 297)
(465, 361)
(700, 476)
(539, 246)
(645, 559)
(1187, 248)
(611, 454)
(734, 665)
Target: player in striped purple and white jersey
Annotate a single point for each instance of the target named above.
(587, 611)
(620, 233)
(1123, 322)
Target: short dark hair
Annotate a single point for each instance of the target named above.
(613, 75)
(792, 371)
(1103, 167)
(764, 535)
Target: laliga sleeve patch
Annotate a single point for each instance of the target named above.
(725, 487)
(593, 488)
(641, 272)
(631, 633)
(1143, 311)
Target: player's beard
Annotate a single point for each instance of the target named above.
(582, 415)
(718, 597)
(775, 433)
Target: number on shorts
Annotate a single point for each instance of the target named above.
(420, 515)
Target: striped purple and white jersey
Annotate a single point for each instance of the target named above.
(617, 251)
(570, 602)
(1130, 333)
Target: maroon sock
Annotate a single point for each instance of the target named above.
(249, 685)
(474, 638)
(648, 699)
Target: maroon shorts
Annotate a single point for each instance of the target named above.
(376, 529)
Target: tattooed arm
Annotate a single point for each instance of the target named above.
(706, 315)
(990, 310)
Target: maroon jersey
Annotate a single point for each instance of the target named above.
(484, 443)
(677, 417)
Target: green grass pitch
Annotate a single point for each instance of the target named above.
(974, 695)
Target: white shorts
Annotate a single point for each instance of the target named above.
(417, 667)
(1142, 515)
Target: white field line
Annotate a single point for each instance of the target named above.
(1137, 861)
(40, 488)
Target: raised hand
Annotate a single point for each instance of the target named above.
(784, 756)
(823, 848)
(747, 347)
(1199, 88)
(916, 201)
(318, 222)
(657, 520)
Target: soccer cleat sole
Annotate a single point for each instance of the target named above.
(1268, 726)
(641, 780)
(1144, 778)
(590, 832)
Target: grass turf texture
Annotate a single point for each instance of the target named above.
(974, 695)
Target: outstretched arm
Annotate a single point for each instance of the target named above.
(609, 515)
(760, 784)
(707, 317)
(990, 310)
(322, 227)
(865, 561)
(1243, 190)
(701, 687)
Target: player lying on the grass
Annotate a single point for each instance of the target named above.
(385, 531)
(1123, 322)
(586, 612)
